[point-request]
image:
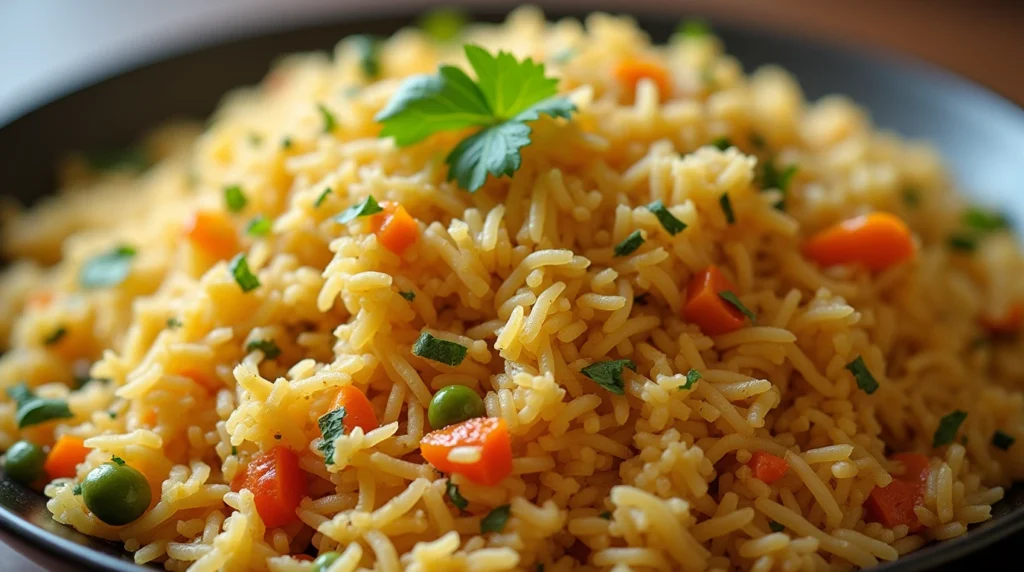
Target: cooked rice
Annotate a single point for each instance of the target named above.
(522, 273)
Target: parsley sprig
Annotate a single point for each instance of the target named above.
(506, 95)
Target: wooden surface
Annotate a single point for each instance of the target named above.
(43, 43)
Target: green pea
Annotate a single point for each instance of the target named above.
(324, 561)
(24, 462)
(454, 404)
(117, 494)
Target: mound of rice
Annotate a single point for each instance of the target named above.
(523, 274)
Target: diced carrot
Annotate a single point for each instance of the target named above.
(488, 435)
(1006, 324)
(706, 308)
(65, 456)
(395, 228)
(877, 240)
(629, 72)
(39, 299)
(892, 505)
(358, 411)
(277, 484)
(767, 467)
(213, 233)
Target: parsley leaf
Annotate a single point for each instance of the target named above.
(948, 427)
(731, 298)
(1002, 440)
(367, 207)
(630, 243)
(323, 197)
(452, 490)
(259, 226)
(329, 121)
(726, 204)
(860, 372)
(773, 178)
(436, 349)
(268, 347)
(331, 426)
(20, 393)
(55, 336)
(668, 221)
(366, 48)
(239, 268)
(410, 296)
(495, 520)
(692, 377)
(108, 269)
(507, 94)
(234, 198)
(608, 374)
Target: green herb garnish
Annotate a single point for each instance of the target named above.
(726, 205)
(259, 226)
(505, 97)
(495, 520)
(772, 178)
(962, 243)
(410, 296)
(112, 414)
(239, 268)
(721, 143)
(731, 298)
(322, 197)
(984, 221)
(40, 410)
(55, 336)
(692, 377)
(328, 118)
(117, 461)
(436, 349)
(332, 424)
(77, 490)
(630, 243)
(20, 393)
(173, 323)
(367, 207)
(366, 48)
(608, 374)
(948, 426)
(234, 450)
(775, 527)
(443, 24)
(286, 143)
(668, 221)
(691, 29)
(108, 269)
(234, 198)
(452, 490)
(860, 372)
(1002, 440)
(268, 347)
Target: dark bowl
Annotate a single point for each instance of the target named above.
(980, 135)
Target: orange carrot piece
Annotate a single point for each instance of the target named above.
(706, 308)
(213, 233)
(489, 434)
(1006, 324)
(395, 228)
(358, 411)
(892, 505)
(877, 240)
(629, 72)
(65, 456)
(767, 467)
(277, 484)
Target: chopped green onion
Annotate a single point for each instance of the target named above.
(235, 198)
(721, 143)
(772, 178)
(443, 24)
(948, 427)
(259, 226)
(55, 336)
(332, 424)
(441, 351)
(40, 410)
(112, 414)
(367, 207)
(692, 377)
(234, 450)
(630, 243)
(323, 197)
(410, 296)
(735, 301)
(239, 268)
(668, 221)
(452, 491)
(495, 520)
(608, 374)
(726, 205)
(108, 269)
(328, 118)
(1002, 440)
(860, 372)
(268, 347)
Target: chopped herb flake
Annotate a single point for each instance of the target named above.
(108, 269)
(174, 323)
(775, 527)
(731, 298)
(436, 349)
(259, 226)
(772, 178)
(410, 296)
(726, 205)
(331, 426)
(963, 243)
(40, 410)
(77, 490)
(1002, 440)
(322, 197)
(55, 336)
(443, 24)
(112, 414)
(630, 243)
(948, 427)
(268, 347)
(367, 207)
(20, 393)
(328, 118)
(691, 29)
(234, 450)
(984, 221)
(860, 372)
(721, 143)
(668, 221)
(117, 461)
(495, 520)
(234, 198)
(366, 48)
(286, 143)
(452, 490)
(692, 377)
(239, 268)
(608, 374)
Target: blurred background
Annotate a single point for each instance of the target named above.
(51, 47)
